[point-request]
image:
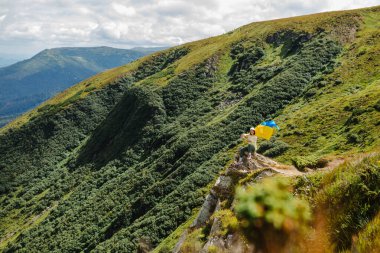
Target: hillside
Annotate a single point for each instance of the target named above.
(125, 159)
(275, 208)
(28, 83)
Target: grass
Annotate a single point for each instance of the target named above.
(344, 202)
(361, 180)
(368, 238)
(319, 125)
(168, 244)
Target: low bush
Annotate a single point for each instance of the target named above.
(270, 214)
(194, 241)
(377, 106)
(272, 148)
(228, 220)
(311, 162)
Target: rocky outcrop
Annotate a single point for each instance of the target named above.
(223, 190)
(206, 211)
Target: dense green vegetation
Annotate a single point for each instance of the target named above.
(121, 160)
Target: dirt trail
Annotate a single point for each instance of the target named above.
(334, 163)
(260, 161)
(289, 170)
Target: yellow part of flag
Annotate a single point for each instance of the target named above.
(264, 132)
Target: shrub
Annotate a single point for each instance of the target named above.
(194, 241)
(312, 162)
(268, 212)
(377, 106)
(301, 162)
(272, 148)
(159, 62)
(264, 146)
(228, 220)
(310, 93)
(353, 138)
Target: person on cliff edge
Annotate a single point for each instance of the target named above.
(252, 144)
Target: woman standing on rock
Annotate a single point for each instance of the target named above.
(252, 144)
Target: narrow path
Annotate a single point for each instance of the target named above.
(287, 170)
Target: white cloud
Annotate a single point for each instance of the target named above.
(123, 10)
(32, 25)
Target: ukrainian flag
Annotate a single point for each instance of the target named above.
(266, 129)
(270, 123)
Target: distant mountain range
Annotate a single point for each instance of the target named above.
(6, 61)
(27, 83)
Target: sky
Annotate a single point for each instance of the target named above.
(29, 26)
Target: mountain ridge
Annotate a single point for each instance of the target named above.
(30, 82)
(127, 156)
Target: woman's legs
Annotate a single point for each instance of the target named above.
(243, 151)
(250, 149)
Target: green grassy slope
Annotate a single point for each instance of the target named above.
(122, 159)
(340, 111)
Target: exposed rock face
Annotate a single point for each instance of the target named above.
(206, 211)
(228, 243)
(210, 66)
(223, 186)
(224, 189)
(181, 240)
(284, 36)
(232, 243)
(347, 33)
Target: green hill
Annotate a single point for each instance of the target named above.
(121, 160)
(28, 83)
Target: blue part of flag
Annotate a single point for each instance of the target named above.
(270, 123)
